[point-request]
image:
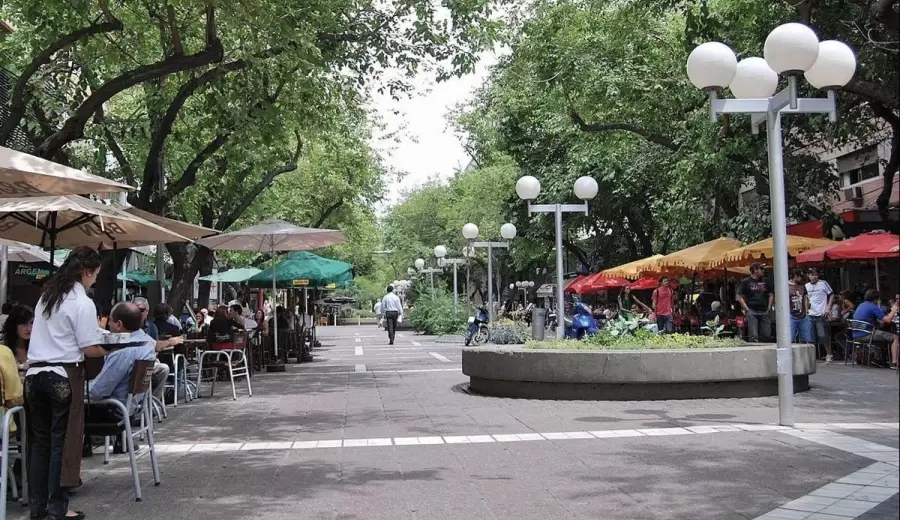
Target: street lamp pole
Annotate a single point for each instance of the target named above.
(508, 232)
(528, 188)
(790, 50)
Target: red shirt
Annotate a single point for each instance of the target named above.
(662, 300)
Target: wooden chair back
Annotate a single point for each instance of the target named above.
(141, 377)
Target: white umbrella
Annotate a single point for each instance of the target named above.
(24, 253)
(274, 235)
(24, 175)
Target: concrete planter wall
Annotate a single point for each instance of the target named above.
(747, 371)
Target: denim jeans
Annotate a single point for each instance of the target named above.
(47, 398)
(801, 330)
(822, 330)
(759, 326)
(665, 324)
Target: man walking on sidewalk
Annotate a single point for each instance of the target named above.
(392, 308)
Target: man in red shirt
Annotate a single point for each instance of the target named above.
(664, 306)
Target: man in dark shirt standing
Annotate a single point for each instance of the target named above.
(757, 297)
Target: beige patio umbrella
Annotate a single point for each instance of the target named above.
(186, 229)
(24, 253)
(274, 235)
(24, 175)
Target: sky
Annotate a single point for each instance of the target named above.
(427, 145)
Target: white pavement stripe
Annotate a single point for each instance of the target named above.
(358, 340)
(360, 367)
(357, 351)
(882, 474)
(439, 357)
(310, 373)
(416, 343)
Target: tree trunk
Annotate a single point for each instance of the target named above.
(189, 260)
(105, 288)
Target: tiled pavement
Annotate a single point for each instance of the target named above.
(369, 432)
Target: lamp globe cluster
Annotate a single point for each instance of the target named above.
(528, 188)
(790, 49)
(419, 263)
(440, 251)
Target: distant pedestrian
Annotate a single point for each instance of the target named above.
(377, 310)
(664, 306)
(821, 298)
(757, 297)
(799, 306)
(392, 308)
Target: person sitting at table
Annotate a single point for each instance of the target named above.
(869, 312)
(848, 305)
(262, 325)
(220, 334)
(17, 333)
(113, 380)
(236, 315)
(715, 311)
(283, 320)
(162, 318)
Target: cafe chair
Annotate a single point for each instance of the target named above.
(854, 345)
(235, 360)
(10, 453)
(138, 392)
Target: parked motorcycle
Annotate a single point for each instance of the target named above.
(583, 324)
(478, 331)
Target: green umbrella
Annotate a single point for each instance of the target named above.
(139, 277)
(304, 269)
(233, 276)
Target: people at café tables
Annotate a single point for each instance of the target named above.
(114, 379)
(11, 391)
(166, 323)
(64, 332)
(756, 297)
(236, 315)
(161, 370)
(281, 315)
(220, 333)
(847, 306)
(627, 300)
(705, 299)
(821, 298)
(17, 333)
(715, 312)
(870, 312)
(262, 325)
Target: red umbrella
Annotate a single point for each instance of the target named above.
(575, 286)
(886, 251)
(597, 283)
(645, 284)
(856, 248)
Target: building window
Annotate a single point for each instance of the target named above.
(858, 175)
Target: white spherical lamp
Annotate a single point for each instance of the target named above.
(791, 48)
(410, 271)
(834, 67)
(419, 263)
(711, 65)
(508, 231)
(530, 284)
(586, 188)
(440, 251)
(754, 79)
(528, 187)
(512, 286)
(470, 231)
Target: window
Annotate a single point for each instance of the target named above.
(858, 175)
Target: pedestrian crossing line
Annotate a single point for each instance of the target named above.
(439, 357)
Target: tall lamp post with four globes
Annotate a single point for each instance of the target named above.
(470, 233)
(528, 188)
(441, 253)
(790, 50)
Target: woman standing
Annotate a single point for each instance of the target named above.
(64, 332)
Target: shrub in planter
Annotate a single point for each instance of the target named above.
(436, 316)
(510, 334)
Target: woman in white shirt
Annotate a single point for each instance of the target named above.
(64, 332)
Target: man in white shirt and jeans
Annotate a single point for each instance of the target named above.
(392, 308)
(821, 296)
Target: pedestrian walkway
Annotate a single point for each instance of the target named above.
(392, 434)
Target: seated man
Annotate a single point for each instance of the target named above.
(869, 312)
(113, 380)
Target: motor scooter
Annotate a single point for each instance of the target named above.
(583, 324)
(477, 331)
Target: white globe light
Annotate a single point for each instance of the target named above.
(586, 188)
(754, 79)
(518, 284)
(792, 47)
(410, 271)
(530, 284)
(834, 67)
(512, 286)
(440, 251)
(470, 231)
(711, 65)
(508, 231)
(419, 263)
(528, 187)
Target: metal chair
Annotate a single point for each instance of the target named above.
(236, 361)
(852, 345)
(138, 390)
(7, 457)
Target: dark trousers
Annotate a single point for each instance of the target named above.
(47, 398)
(759, 326)
(390, 320)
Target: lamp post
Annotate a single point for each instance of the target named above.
(523, 286)
(441, 252)
(420, 266)
(507, 232)
(528, 188)
(790, 50)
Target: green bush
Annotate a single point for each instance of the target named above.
(641, 340)
(436, 316)
(510, 334)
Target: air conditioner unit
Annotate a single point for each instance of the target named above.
(853, 194)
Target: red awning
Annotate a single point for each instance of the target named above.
(856, 248)
(886, 251)
(597, 283)
(575, 285)
(645, 284)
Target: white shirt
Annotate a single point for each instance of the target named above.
(378, 307)
(818, 297)
(391, 302)
(60, 338)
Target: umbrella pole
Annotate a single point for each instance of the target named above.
(52, 243)
(4, 273)
(275, 302)
(877, 278)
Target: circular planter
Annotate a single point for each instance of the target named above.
(626, 375)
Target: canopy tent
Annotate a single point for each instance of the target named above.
(303, 269)
(762, 250)
(138, 277)
(695, 258)
(274, 235)
(185, 229)
(856, 248)
(232, 276)
(25, 175)
(631, 270)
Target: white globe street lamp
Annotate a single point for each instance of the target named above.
(790, 50)
(410, 271)
(440, 251)
(470, 231)
(419, 263)
(508, 231)
(585, 188)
